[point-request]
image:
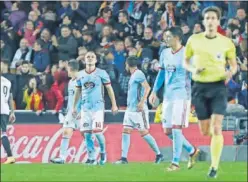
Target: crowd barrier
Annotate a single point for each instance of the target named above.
(35, 139)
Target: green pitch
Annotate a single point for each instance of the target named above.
(229, 171)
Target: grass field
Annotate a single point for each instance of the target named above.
(229, 171)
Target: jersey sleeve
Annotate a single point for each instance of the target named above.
(231, 52)
(188, 53)
(105, 78)
(161, 60)
(78, 83)
(140, 77)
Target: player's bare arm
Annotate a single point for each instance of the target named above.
(233, 68)
(12, 117)
(112, 98)
(147, 88)
(76, 99)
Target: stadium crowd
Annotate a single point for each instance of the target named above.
(38, 39)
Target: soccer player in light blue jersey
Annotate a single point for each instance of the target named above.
(90, 89)
(137, 114)
(70, 124)
(177, 99)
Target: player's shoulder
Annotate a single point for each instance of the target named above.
(101, 72)
(5, 80)
(196, 36)
(165, 51)
(139, 73)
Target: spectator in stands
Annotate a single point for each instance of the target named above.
(242, 17)
(45, 39)
(119, 55)
(123, 81)
(33, 97)
(243, 95)
(123, 28)
(244, 34)
(88, 41)
(194, 14)
(197, 28)
(66, 44)
(63, 65)
(64, 10)
(168, 17)
(22, 84)
(128, 43)
(61, 79)
(186, 33)
(6, 53)
(34, 17)
(49, 17)
(14, 14)
(11, 77)
(104, 19)
(138, 34)
(81, 56)
(29, 33)
(144, 54)
(41, 59)
(23, 53)
(53, 97)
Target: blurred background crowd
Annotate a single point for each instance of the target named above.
(38, 38)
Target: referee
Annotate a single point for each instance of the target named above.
(210, 52)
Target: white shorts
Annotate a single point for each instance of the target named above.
(176, 113)
(70, 122)
(136, 120)
(91, 120)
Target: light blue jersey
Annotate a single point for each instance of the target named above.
(71, 93)
(135, 90)
(176, 79)
(92, 98)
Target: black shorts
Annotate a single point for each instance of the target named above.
(4, 122)
(209, 98)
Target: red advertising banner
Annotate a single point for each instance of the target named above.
(38, 143)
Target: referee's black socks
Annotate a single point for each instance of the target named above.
(6, 145)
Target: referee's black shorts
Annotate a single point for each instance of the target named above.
(4, 122)
(209, 98)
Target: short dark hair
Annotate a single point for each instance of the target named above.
(124, 13)
(141, 43)
(176, 32)
(73, 64)
(25, 62)
(213, 9)
(132, 61)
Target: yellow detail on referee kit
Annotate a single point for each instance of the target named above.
(210, 54)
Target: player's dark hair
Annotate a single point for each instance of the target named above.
(73, 64)
(176, 32)
(213, 9)
(132, 61)
(25, 62)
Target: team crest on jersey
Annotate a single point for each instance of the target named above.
(89, 85)
(171, 68)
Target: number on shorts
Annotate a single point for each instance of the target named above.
(98, 124)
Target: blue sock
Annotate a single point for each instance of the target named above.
(177, 145)
(152, 142)
(101, 140)
(90, 145)
(125, 144)
(186, 145)
(64, 146)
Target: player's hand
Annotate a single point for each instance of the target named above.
(114, 109)
(228, 75)
(152, 99)
(140, 106)
(12, 118)
(74, 113)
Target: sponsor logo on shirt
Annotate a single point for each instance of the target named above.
(171, 68)
(89, 85)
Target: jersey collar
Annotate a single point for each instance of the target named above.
(176, 50)
(90, 71)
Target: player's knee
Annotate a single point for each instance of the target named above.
(143, 132)
(217, 130)
(127, 130)
(68, 132)
(167, 131)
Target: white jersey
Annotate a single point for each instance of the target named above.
(5, 94)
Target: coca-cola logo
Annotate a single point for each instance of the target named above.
(42, 148)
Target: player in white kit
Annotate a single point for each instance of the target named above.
(90, 88)
(70, 123)
(7, 115)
